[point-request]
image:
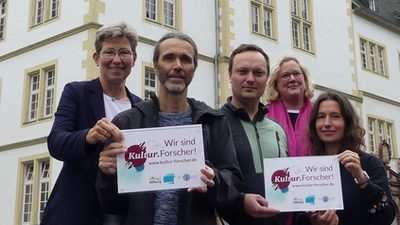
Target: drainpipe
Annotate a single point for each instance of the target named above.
(217, 53)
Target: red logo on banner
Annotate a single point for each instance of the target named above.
(136, 156)
(281, 179)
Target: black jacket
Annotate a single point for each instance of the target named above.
(73, 199)
(194, 207)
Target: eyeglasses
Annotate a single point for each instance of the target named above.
(286, 76)
(123, 53)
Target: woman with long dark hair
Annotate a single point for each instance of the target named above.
(335, 129)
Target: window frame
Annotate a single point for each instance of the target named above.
(43, 188)
(44, 11)
(3, 18)
(379, 129)
(371, 135)
(40, 97)
(302, 25)
(372, 5)
(373, 57)
(29, 208)
(33, 101)
(262, 18)
(27, 198)
(160, 13)
(148, 88)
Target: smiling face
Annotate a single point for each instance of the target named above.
(330, 123)
(291, 81)
(175, 66)
(115, 70)
(248, 77)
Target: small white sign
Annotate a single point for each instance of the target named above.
(303, 183)
(161, 158)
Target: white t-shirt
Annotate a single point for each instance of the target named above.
(113, 106)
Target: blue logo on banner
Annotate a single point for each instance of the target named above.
(169, 178)
(186, 177)
(310, 199)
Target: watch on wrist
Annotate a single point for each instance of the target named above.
(363, 181)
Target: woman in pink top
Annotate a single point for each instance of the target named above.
(289, 90)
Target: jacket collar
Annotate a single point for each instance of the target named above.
(96, 97)
(200, 109)
(242, 114)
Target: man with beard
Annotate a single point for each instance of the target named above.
(175, 60)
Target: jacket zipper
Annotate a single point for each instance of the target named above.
(259, 147)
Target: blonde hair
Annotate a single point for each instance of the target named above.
(272, 93)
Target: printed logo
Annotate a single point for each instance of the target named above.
(310, 199)
(136, 157)
(169, 178)
(281, 179)
(325, 198)
(155, 180)
(298, 201)
(186, 177)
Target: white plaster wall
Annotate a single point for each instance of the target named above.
(331, 67)
(199, 22)
(17, 30)
(203, 84)
(69, 54)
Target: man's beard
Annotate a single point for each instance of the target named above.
(175, 88)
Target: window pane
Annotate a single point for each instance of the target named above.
(33, 97)
(150, 83)
(27, 196)
(43, 187)
(372, 57)
(39, 11)
(381, 60)
(305, 10)
(295, 33)
(295, 8)
(254, 18)
(306, 38)
(151, 9)
(2, 18)
(147, 94)
(54, 9)
(389, 137)
(268, 22)
(169, 12)
(372, 5)
(363, 54)
(371, 130)
(49, 98)
(381, 128)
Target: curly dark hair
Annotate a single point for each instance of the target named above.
(354, 133)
